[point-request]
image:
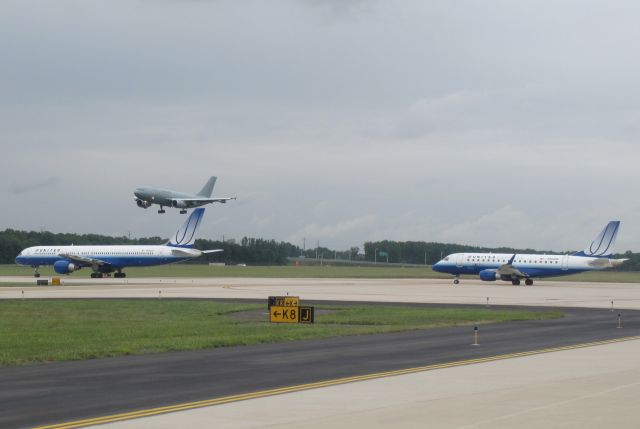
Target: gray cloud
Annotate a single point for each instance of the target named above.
(497, 123)
(27, 186)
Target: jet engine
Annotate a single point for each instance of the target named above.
(179, 204)
(65, 267)
(489, 275)
(143, 204)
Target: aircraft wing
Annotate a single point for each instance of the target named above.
(508, 270)
(81, 260)
(195, 202)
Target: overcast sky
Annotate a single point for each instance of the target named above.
(512, 123)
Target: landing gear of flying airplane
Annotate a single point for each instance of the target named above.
(515, 282)
(183, 211)
(528, 282)
(162, 210)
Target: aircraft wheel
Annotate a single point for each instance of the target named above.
(183, 212)
(456, 281)
(515, 282)
(36, 275)
(528, 282)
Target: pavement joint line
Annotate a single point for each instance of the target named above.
(315, 385)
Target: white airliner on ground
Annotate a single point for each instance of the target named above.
(513, 268)
(147, 196)
(107, 259)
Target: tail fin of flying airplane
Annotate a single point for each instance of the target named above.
(602, 245)
(186, 235)
(207, 189)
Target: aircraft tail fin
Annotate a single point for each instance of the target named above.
(185, 236)
(602, 245)
(207, 189)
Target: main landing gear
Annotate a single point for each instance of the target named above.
(516, 282)
(118, 275)
(35, 271)
(183, 211)
(161, 210)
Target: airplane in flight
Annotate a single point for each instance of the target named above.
(146, 196)
(113, 258)
(515, 267)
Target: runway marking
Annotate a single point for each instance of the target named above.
(301, 387)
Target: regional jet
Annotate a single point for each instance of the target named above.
(146, 196)
(108, 259)
(513, 268)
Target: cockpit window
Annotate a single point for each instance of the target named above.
(446, 258)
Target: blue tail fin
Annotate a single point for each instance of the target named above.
(186, 235)
(602, 245)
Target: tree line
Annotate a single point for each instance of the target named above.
(258, 251)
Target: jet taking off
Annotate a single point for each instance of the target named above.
(147, 196)
(107, 259)
(513, 268)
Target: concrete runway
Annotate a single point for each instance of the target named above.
(543, 293)
(583, 387)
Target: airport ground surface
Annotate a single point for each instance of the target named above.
(542, 293)
(571, 386)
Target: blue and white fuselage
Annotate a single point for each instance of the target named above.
(110, 258)
(514, 267)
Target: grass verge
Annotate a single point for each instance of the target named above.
(34, 331)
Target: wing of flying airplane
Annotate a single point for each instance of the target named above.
(195, 202)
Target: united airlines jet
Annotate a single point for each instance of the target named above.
(513, 268)
(108, 259)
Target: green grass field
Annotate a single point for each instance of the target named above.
(197, 270)
(51, 330)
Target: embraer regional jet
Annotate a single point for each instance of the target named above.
(147, 196)
(107, 259)
(513, 268)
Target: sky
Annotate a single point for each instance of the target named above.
(493, 123)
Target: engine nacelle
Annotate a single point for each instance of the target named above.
(489, 275)
(179, 204)
(143, 204)
(64, 267)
